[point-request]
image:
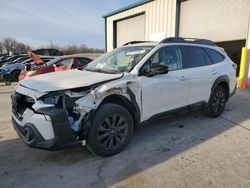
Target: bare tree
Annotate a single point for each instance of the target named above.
(20, 47)
(74, 49)
(71, 49)
(11, 44)
(53, 46)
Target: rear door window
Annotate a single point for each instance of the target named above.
(215, 56)
(195, 57)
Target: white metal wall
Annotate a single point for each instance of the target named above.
(248, 35)
(218, 20)
(159, 20)
(131, 29)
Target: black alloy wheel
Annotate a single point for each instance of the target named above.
(217, 102)
(111, 130)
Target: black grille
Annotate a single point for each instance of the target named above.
(20, 103)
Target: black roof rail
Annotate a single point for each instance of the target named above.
(188, 40)
(134, 42)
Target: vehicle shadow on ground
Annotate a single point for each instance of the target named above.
(155, 143)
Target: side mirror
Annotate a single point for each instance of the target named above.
(155, 70)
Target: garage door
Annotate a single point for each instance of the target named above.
(218, 20)
(132, 29)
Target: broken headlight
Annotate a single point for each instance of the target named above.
(52, 98)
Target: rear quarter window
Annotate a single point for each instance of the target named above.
(215, 56)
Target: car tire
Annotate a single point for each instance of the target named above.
(15, 75)
(110, 131)
(8, 83)
(216, 102)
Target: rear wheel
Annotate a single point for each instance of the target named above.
(217, 102)
(111, 130)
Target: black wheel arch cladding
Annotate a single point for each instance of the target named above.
(224, 81)
(132, 106)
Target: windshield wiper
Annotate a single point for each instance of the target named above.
(102, 71)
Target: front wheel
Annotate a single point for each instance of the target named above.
(111, 130)
(7, 82)
(217, 102)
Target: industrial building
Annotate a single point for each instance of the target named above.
(226, 22)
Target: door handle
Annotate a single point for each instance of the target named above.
(184, 78)
(214, 72)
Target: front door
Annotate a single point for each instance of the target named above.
(164, 92)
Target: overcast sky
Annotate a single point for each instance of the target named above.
(61, 21)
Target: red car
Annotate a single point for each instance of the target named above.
(59, 64)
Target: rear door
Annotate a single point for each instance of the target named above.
(201, 72)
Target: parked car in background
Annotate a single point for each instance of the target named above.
(4, 57)
(101, 105)
(14, 68)
(59, 64)
(10, 72)
(11, 59)
(18, 60)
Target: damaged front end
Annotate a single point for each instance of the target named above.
(49, 121)
(59, 119)
(66, 100)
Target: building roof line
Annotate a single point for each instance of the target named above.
(141, 2)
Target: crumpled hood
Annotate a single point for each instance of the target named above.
(66, 80)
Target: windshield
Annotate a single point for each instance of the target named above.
(119, 60)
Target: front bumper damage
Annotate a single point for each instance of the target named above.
(47, 129)
(40, 125)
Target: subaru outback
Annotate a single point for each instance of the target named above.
(101, 105)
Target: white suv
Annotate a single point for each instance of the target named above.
(101, 105)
